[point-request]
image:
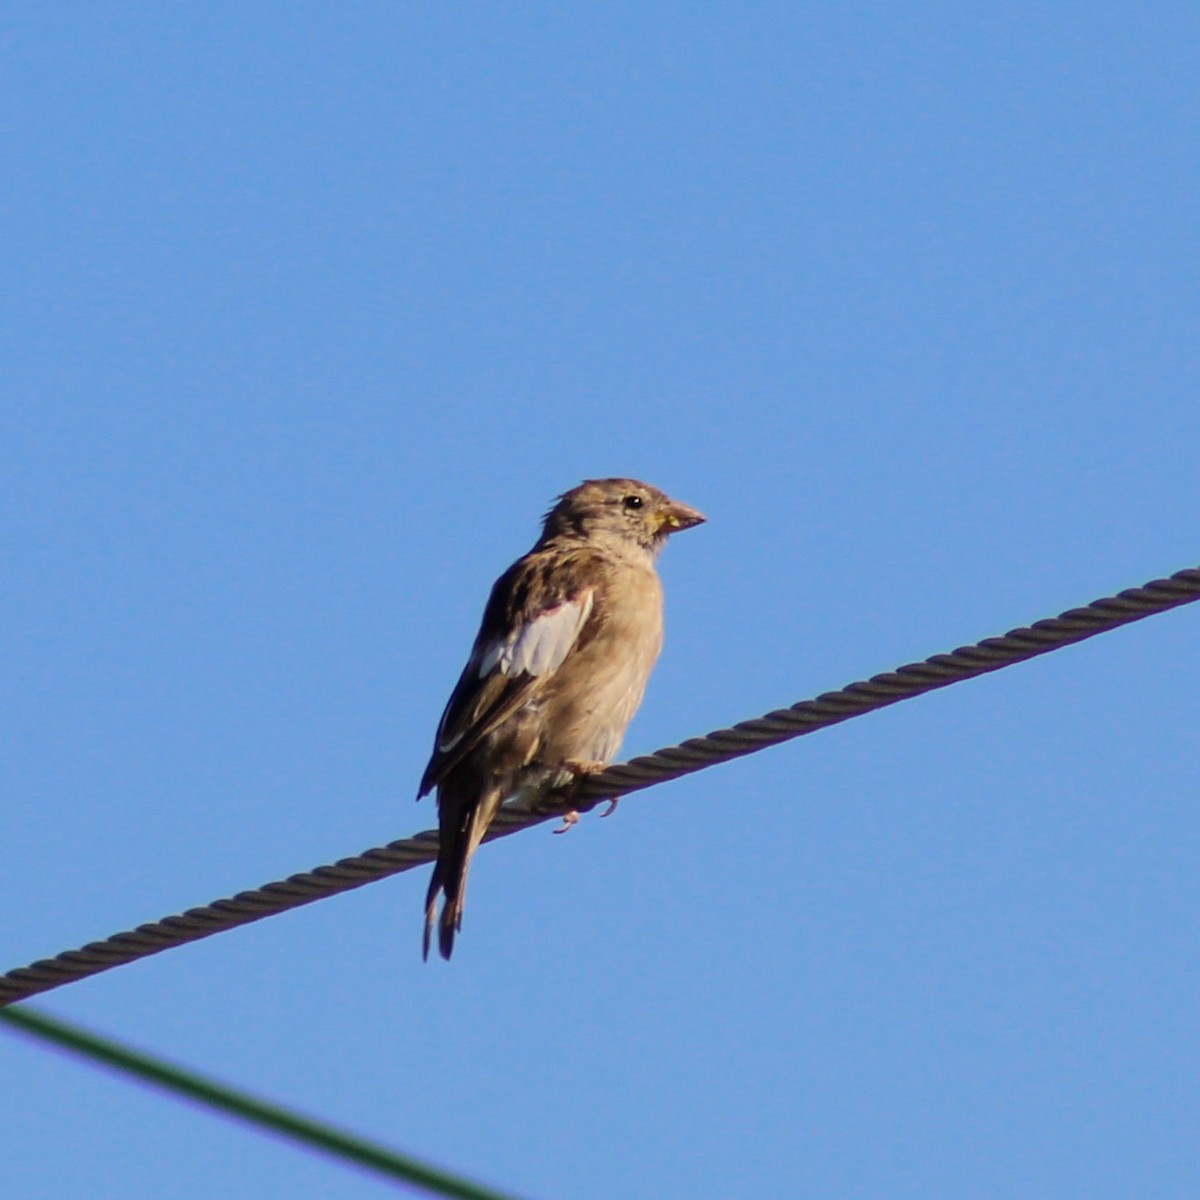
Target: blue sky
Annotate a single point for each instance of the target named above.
(308, 314)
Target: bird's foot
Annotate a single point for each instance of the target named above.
(581, 770)
(572, 818)
(569, 819)
(576, 770)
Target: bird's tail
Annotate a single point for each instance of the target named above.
(460, 839)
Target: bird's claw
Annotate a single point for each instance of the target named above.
(569, 819)
(579, 770)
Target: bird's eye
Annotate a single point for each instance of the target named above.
(633, 502)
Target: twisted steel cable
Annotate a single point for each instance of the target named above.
(831, 708)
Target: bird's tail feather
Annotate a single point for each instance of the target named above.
(459, 843)
(435, 886)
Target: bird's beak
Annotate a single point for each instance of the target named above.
(673, 517)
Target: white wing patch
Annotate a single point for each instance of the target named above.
(539, 646)
(448, 744)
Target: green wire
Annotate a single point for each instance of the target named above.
(249, 1108)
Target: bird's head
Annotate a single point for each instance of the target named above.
(623, 508)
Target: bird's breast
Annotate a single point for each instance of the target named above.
(595, 693)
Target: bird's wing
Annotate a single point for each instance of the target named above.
(535, 616)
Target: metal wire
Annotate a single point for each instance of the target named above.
(863, 696)
(316, 1135)
(912, 679)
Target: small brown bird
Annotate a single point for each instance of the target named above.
(568, 639)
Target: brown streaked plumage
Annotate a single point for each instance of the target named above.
(567, 642)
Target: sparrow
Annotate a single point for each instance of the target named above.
(569, 636)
